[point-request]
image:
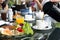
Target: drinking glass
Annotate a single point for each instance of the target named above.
(20, 20)
(3, 16)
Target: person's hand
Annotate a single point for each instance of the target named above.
(55, 0)
(36, 0)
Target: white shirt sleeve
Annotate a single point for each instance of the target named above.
(44, 1)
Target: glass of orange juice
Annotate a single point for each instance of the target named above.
(20, 20)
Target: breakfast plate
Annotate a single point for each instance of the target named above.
(41, 28)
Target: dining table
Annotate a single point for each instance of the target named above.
(38, 35)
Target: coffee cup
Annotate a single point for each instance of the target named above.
(28, 16)
(41, 23)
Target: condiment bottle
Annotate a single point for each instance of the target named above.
(10, 14)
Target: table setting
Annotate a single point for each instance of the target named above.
(24, 26)
(41, 25)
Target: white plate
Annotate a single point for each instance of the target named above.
(29, 19)
(37, 28)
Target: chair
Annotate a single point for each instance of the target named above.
(55, 35)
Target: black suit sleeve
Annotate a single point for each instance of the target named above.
(52, 10)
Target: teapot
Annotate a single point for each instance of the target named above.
(40, 15)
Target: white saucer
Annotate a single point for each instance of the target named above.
(2, 22)
(37, 28)
(29, 19)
